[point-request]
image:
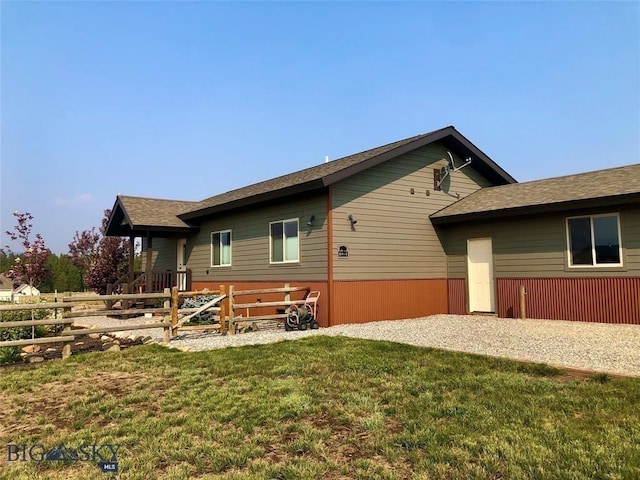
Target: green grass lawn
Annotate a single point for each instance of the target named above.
(321, 407)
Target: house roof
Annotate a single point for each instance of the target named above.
(25, 287)
(328, 173)
(137, 215)
(615, 186)
(5, 282)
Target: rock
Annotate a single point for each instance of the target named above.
(123, 336)
(113, 348)
(108, 345)
(79, 344)
(31, 349)
(147, 340)
(106, 338)
(51, 350)
(94, 335)
(34, 358)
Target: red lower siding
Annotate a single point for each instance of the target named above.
(373, 300)
(609, 300)
(271, 297)
(457, 293)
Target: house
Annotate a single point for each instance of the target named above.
(573, 242)
(6, 288)
(426, 225)
(10, 294)
(25, 293)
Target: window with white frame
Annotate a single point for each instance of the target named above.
(594, 241)
(284, 242)
(221, 248)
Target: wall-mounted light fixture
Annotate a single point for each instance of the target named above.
(352, 220)
(312, 219)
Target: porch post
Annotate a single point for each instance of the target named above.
(148, 270)
(132, 243)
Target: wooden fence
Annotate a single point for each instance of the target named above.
(174, 318)
(279, 306)
(64, 315)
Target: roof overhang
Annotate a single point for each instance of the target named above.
(305, 187)
(120, 225)
(610, 201)
(452, 139)
(449, 136)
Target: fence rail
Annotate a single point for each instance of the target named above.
(223, 305)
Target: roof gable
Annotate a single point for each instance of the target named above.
(612, 186)
(323, 175)
(137, 215)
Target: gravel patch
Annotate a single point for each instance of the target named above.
(589, 346)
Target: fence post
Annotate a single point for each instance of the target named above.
(231, 311)
(66, 348)
(109, 303)
(522, 303)
(167, 302)
(125, 302)
(175, 300)
(223, 311)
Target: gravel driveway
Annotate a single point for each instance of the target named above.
(589, 346)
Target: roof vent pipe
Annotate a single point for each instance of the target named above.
(326, 159)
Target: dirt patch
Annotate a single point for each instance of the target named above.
(52, 404)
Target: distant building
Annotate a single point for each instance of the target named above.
(6, 288)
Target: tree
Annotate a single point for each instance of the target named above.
(63, 276)
(101, 259)
(29, 267)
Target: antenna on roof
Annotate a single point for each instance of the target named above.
(452, 163)
(451, 167)
(326, 159)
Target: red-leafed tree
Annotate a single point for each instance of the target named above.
(28, 267)
(101, 259)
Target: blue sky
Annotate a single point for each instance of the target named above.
(186, 100)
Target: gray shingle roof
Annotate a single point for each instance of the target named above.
(155, 211)
(146, 214)
(511, 199)
(303, 176)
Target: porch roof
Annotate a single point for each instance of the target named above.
(139, 216)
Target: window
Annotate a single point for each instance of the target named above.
(221, 248)
(285, 245)
(594, 241)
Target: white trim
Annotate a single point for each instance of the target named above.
(593, 243)
(230, 248)
(288, 220)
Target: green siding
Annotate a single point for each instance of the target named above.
(250, 243)
(163, 256)
(536, 246)
(393, 237)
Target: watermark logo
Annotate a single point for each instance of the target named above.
(105, 456)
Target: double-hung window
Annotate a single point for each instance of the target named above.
(221, 248)
(594, 241)
(284, 243)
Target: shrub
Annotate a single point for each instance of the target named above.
(10, 355)
(21, 333)
(204, 318)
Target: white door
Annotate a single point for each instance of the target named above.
(181, 264)
(480, 274)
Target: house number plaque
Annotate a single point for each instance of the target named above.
(343, 251)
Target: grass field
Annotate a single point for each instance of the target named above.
(322, 407)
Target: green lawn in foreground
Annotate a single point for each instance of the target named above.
(321, 407)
